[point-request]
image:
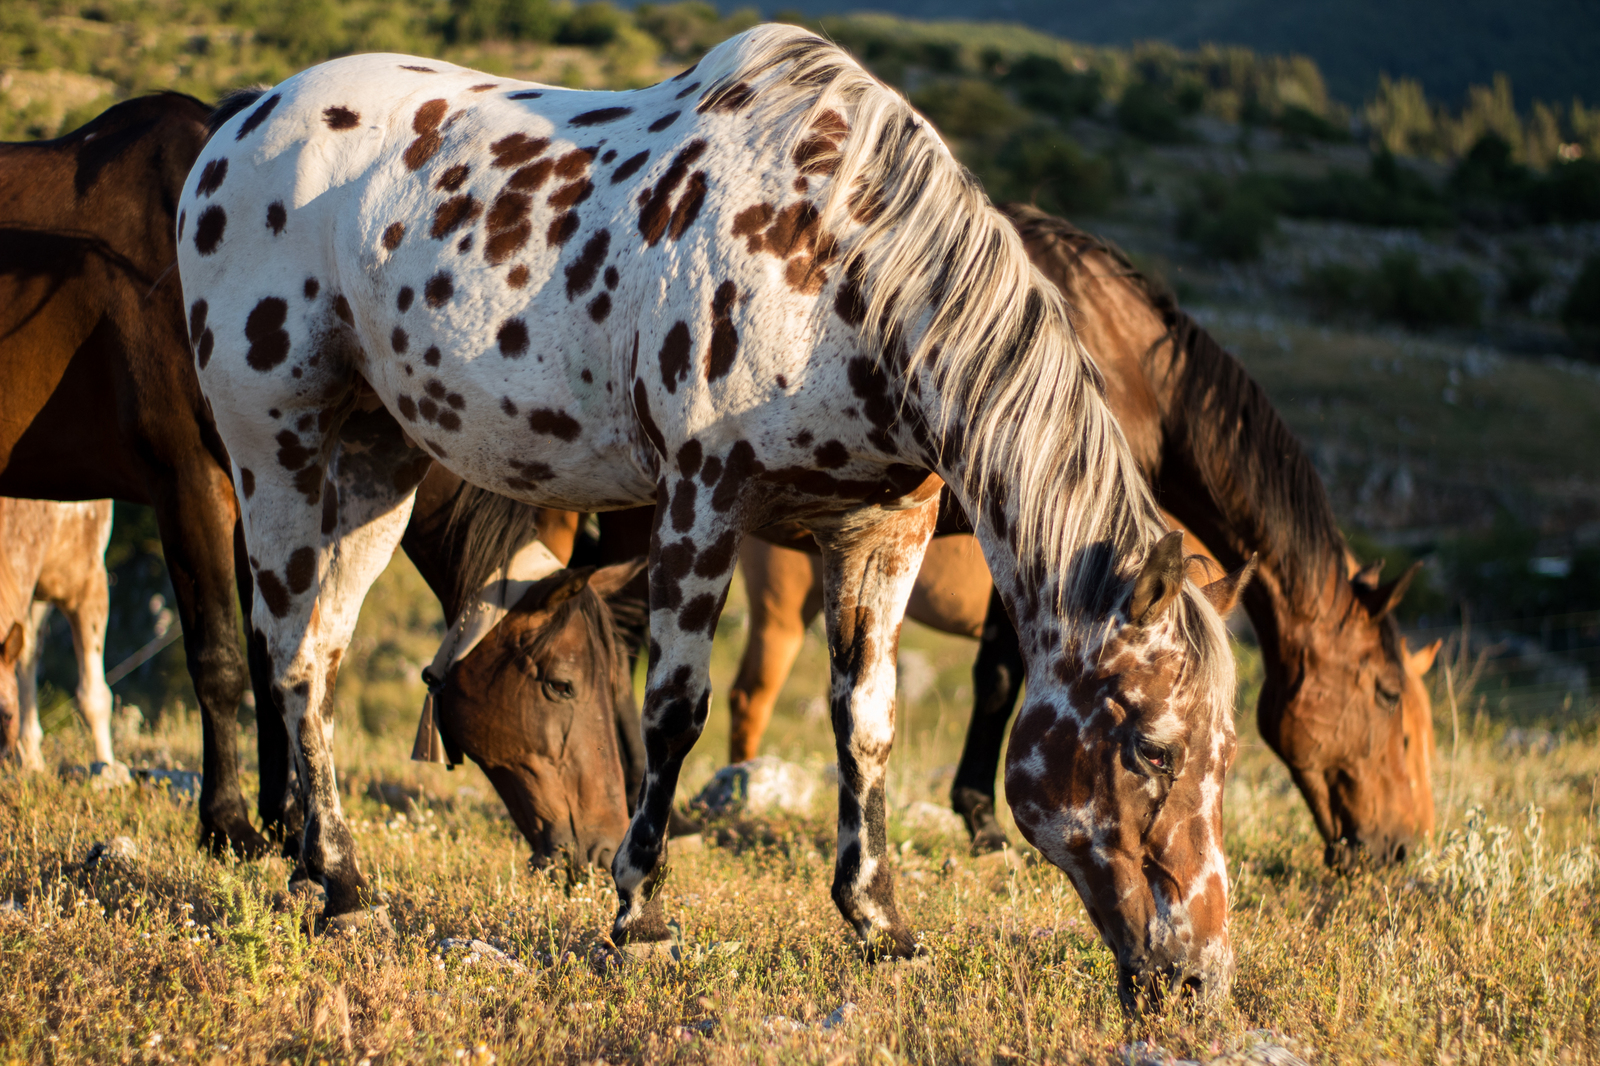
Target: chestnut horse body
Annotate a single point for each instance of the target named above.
(1343, 703)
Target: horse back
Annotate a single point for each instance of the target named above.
(89, 303)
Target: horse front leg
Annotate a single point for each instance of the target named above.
(691, 563)
(784, 597)
(997, 676)
(868, 576)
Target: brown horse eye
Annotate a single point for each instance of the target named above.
(1157, 756)
(1389, 699)
(559, 690)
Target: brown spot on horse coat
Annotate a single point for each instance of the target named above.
(513, 338)
(599, 308)
(516, 149)
(532, 176)
(399, 341)
(485, 87)
(211, 177)
(699, 613)
(641, 411)
(557, 424)
(831, 455)
(689, 457)
(454, 213)
(518, 276)
(526, 94)
(257, 117)
(269, 342)
(431, 356)
(292, 455)
(340, 118)
(277, 217)
(630, 166)
(600, 116)
(562, 227)
(674, 356)
(202, 350)
(417, 69)
(301, 570)
(657, 212)
(664, 121)
(612, 277)
(341, 307)
(750, 222)
(247, 481)
(727, 98)
(508, 226)
(208, 230)
(408, 407)
(689, 204)
(581, 271)
(312, 287)
(330, 509)
(403, 298)
(718, 559)
(273, 594)
(197, 318)
(741, 466)
(426, 124)
(393, 234)
(574, 163)
(682, 508)
(724, 337)
(794, 235)
(453, 179)
(572, 194)
(439, 289)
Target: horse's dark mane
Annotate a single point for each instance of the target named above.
(233, 102)
(482, 533)
(1235, 438)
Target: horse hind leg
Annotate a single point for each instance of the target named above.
(868, 575)
(997, 675)
(30, 734)
(781, 582)
(84, 597)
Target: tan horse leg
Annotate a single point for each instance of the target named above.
(74, 579)
(785, 588)
(30, 734)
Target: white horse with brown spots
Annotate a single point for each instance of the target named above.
(52, 554)
(762, 290)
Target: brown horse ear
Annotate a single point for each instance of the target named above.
(1420, 661)
(1379, 600)
(1224, 592)
(11, 650)
(551, 592)
(1367, 576)
(1159, 581)
(610, 580)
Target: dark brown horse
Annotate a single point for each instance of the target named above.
(98, 396)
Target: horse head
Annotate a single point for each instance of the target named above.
(535, 705)
(1355, 725)
(1115, 774)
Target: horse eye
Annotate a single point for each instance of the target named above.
(1388, 699)
(559, 690)
(1157, 756)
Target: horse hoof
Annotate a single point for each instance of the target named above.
(373, 921)
(239, 837)
(989, 840)
(649, 951)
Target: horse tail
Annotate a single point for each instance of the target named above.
(233, 102)
(483, 532)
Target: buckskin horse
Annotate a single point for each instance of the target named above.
(808, 309)
(52, 553)
(1343, 703)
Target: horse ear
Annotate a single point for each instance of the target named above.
(610, 580)
(1379, 600)
(1224, 592)
(1159, 581)
(11, 650)
(553, 591)
(1367, 576)
(1420, 661)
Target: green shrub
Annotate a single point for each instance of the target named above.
(1569, 192)
(1149, 112)
(1041, 165)
(1227, 221)
(1388, 195)
(968, 108)
(1581, 311)
(591, 25)
(1399, 290)
(1300, 126)
(1044, 85)
(689, 29)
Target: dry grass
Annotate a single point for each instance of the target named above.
(1485, 950)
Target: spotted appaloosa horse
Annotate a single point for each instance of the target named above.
(1343, 704)
(52, 553)
(763, 289)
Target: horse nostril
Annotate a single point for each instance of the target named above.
(1399, 853)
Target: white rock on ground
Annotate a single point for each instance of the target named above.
(767, 783)
(483, 953)
(933, 818)
(104, 776)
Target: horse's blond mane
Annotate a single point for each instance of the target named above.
(942, 269)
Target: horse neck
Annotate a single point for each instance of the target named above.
(1160, 382)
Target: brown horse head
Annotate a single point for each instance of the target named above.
(535, 705)
(1122, 788)
(1355, 725)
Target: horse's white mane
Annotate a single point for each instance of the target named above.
(1013, 388)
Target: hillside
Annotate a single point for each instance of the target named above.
(1546, 46)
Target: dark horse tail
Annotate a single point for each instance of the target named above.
(233, 102)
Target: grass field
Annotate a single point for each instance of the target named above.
(1483, 950)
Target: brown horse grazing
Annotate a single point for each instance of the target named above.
(52, 553)
(98, 396)
(1343, 703)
